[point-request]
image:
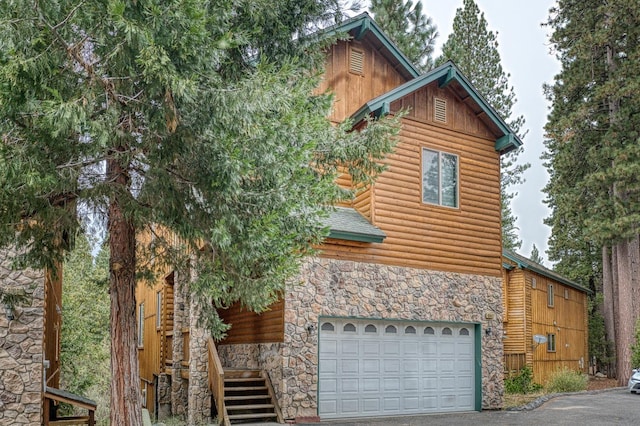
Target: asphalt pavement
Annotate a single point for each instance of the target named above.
(594, 408)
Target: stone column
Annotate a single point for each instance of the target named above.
(199, 394)
(180, 320)
(21, 346)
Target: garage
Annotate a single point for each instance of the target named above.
(379, 368)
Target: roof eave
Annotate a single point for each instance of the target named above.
(355, 236)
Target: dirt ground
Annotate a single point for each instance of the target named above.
(596, 383)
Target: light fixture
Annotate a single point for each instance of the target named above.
(9, 312)
(488, 331)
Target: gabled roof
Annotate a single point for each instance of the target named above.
(363, 26)
(347, 224)
(446, 75)
(524, 263)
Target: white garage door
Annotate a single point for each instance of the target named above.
(374, 367)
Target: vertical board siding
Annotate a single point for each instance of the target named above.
(351, 91)
(529, 314)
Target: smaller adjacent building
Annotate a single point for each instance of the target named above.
(540, 302)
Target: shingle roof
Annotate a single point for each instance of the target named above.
(524, 263)
(347, 224)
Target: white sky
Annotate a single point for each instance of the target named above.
(524, 52)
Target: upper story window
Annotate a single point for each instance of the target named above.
(439, 178)
(550, 295)
(551, 342)
(141, 325)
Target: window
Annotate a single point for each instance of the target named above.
(429, 330)
(370, 328)
(410, 330)
(447, 332)
(566, 293)
(551, 342)
(439, 178)
(158, 309)
(390, 329)
(464, 332)
(141, 325)
(349, 328)
(327, 326)
(533, 283)
(550, 294)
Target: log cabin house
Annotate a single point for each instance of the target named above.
(538, 301)
(401, 312)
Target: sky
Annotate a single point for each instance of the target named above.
(524, 50)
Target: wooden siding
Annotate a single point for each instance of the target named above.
(249, 327)
(465, 239)
(351, 90)
(53, 324)
(529, 314)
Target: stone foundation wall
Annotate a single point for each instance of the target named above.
(349, 289)
(21, 347)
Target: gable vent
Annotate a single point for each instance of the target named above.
(440, 110)
(356, 61)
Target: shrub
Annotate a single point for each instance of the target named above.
(522, 382)
(566, 380)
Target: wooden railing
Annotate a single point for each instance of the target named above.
(216, 382)
(513, 363)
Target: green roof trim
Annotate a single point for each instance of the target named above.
(361, 25)
(524, 263)
(347, 224)
(444, 75)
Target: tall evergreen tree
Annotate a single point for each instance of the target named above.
(474, 49)
(196, 116)
(535, 255)
(407, 25)
(593, 154)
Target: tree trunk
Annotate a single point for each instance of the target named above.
(609, 303)
(125, 382)
(626, 317)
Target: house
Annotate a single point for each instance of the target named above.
(401, 312)
(30, 323)
(539, 302)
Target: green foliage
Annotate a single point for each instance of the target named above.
(196, 116)
(85, 335)
(412, 31)
(474, 49)
(521, 383)
(635, 348)
(535, 255)
(566, 380)
(600, 347)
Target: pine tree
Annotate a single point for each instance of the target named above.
(593, 155)
(535, 255)
(474, 49)
(411, 30)
(194, 116)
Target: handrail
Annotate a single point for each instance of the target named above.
(272, 394)
(216, 382)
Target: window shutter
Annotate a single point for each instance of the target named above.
(356, 61)
(440, 110)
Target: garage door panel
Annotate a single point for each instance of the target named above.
(377, 367)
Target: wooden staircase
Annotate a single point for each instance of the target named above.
(241, 396)
(248, 397)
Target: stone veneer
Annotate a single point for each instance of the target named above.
(21, 347)
(338, 288)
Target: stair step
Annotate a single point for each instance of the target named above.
(242, 373)
(243, 379)
(245, 397)
(249, 407)
(252, 416)
(245, 388)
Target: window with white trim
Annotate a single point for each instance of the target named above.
(439, 178)
(158, 309)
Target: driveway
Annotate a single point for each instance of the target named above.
(610, 407)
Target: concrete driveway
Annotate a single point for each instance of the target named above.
(610, 407)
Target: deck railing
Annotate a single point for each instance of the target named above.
(216, 382)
